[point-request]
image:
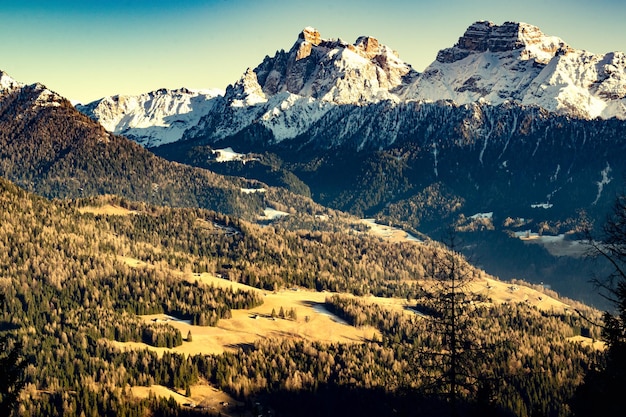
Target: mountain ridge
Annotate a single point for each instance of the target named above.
(163, 114)
(48, 147)
(517, 62)
(490, 63)
(395, 160)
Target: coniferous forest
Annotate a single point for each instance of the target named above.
(139, 285)
(82, 275)
(69, 293)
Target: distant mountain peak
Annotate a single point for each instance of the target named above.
(7, 83)
(332, 70)
(311, 35)
(153, 118)
(517, 62)
(483, 36)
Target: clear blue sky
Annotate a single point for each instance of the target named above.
(88, 49)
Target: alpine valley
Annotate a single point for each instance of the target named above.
(301, 243)
(508, 134)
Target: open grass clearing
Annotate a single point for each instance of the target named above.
(107, 209)
(504, 292)
(247, 326)
(587, 341)
(312, 321)
(393, 234)
(203, 396)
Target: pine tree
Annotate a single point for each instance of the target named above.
(448, 305)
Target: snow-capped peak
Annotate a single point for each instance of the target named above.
(46, 97)
(290, 91)
(519, 63)
(153, 118)
(484, 36)
(8, 84)
(540, 47)
(246, 91)
(334, 71)
(40, 94)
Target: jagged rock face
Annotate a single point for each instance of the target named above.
(368, 46)
(246, 91)
(334, 70)
(486, 36)
(611, 77)
(517, 62)
(309, 37)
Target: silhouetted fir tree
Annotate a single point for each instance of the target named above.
(448, 304)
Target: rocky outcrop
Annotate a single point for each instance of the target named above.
(519, 63)
(327, 68)
(310, 35)
(486, 36)
(367, 46)
(308, 38)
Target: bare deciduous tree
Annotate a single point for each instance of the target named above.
(602, 392)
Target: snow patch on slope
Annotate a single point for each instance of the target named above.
(288, 115)
(227, 155)
(605, 180)
(46, 98)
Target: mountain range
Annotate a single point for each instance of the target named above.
(510, 136)
(311, 284)
(509, 130)
(48, 147)
(287, 93)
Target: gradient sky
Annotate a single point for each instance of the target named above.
(85, 50)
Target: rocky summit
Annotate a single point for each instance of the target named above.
(486, 36)
(334, 70)
(289, 92)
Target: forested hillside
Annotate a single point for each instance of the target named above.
(48, 147)
(426, 166)
(75, 280)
